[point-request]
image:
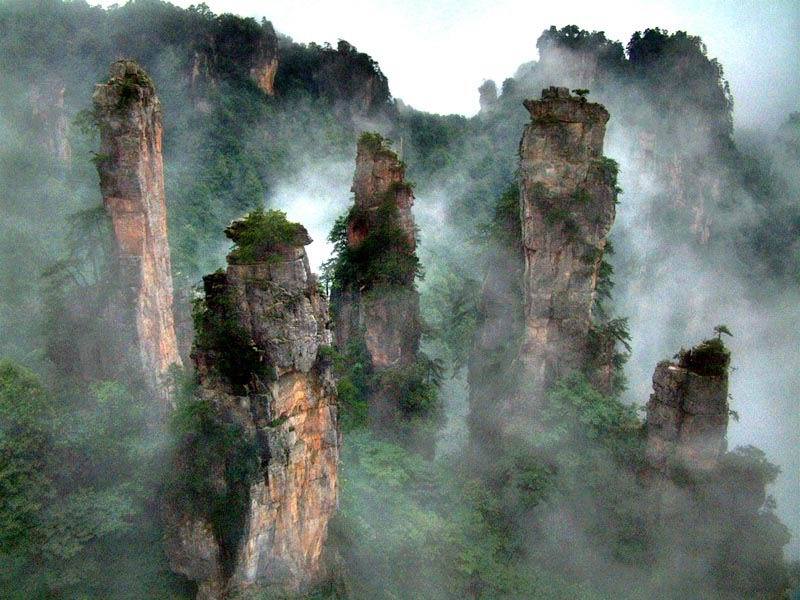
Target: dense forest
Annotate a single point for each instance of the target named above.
(446, 462)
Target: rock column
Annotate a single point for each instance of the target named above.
(687, 415)
(131, 173)
(260, 352)
(567, 201)
(381, 309)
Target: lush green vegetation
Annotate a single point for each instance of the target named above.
(80, 462)
(385, 257)
(80, 477)
(261, 235)
(710, 357)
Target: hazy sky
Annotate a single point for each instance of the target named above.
(436, 53)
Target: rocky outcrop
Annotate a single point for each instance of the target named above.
(536, 321)
(235, 47)
(687, 415)
(375, 300)
(351, 80)
(263, 74)
(567, 197)
(201, 81)
(263, 60)
(260, 352)
(50, 118)
(487, 95)
(131, 173)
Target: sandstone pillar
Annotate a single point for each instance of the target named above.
(131, 173)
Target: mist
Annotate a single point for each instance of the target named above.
(697, 244)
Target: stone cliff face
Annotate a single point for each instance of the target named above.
(567, 201)
(380, 178)
(263, 63)
(132, 183)
(687, 415)
(351, 80)
(260, 356)
(383, 310)
(47, 107)
(232, 49)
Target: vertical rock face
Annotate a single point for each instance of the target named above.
(687, 415)
(47, 107)
(381, 308)
(351, 80)
(260, 355)
(264, 60)
(132, 183)
(264, 73)
(233, 48)
(567, 198)
(386, 319)
(380, 178)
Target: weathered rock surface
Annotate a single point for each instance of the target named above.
(352, 81)
(47, 108)
(386, 319)
(262, 63)
(132, 183)
(233, 49)
(384, 315)
(568, 206)
(687, 415)
(288, 411)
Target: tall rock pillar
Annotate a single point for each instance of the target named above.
(375, 298)
(567, 199)
(131, 173)
(257, 471)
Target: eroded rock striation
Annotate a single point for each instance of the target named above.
(47, 108)
(687, 415)
(568, 198)
(375, 299)
(131, 173)
(267, 448)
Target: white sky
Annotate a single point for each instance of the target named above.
(437, 53)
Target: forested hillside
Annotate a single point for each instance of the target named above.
(455, 406)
